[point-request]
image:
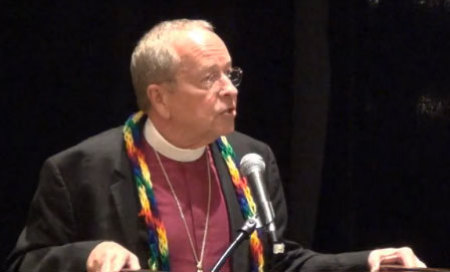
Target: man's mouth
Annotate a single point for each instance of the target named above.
(231, 110)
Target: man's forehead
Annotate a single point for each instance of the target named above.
(204, 45)
(199, 36)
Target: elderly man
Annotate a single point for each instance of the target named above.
(163, 192)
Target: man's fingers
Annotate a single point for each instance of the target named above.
(403, 256)
(93, 266)
(106, 261)
(133, 262)
(118, 262)
(421, 264)
(407, 257)
(376, 258)
(111, 257)
(95, 260)
(375, 266)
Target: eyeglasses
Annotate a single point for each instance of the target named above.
(235, 75)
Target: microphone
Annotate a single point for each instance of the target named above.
(252, 167)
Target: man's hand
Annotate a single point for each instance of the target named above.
(403, 256)
(111, 257)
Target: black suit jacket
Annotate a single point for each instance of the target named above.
(87, 195)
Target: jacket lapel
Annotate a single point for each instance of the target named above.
(239, 259)
(125, 198)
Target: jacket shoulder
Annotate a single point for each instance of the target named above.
(103, 145)
(243, 144)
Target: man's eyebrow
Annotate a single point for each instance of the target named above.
(214, 66)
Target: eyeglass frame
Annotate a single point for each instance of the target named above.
(240, 73)
(215, 77)
(229, 74)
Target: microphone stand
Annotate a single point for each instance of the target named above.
(244, 233)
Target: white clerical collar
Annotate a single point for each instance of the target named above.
(161, 145)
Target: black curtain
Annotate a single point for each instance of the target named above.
(311, 86)
(386, 168)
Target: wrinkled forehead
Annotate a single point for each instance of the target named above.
(198, 48)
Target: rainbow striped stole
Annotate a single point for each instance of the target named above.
(157, 237)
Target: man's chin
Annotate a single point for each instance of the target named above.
(226, 130)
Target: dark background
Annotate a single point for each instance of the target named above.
(353, 97)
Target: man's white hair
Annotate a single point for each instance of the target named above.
(154, 59)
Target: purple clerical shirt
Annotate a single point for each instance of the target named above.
(190, 182)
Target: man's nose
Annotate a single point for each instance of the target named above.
(227, 87)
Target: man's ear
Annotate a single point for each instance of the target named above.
(157, 95)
